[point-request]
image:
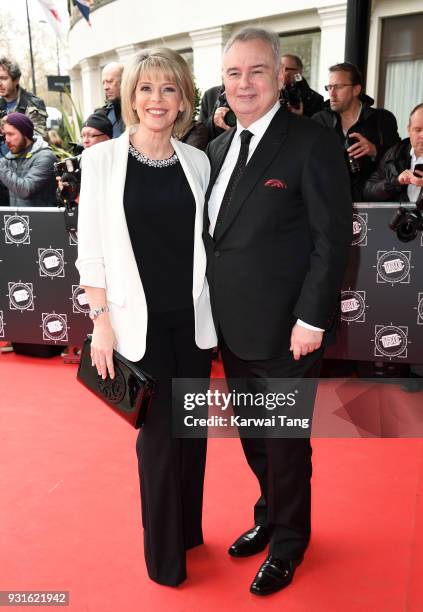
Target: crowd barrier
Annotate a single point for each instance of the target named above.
(41, 301)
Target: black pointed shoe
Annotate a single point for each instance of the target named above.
(251, 542)
(274, 574)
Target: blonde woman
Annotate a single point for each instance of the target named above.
(142, 264)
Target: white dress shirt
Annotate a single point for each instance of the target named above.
(257, 129)
(412, 190)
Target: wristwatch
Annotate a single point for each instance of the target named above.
(96, 312)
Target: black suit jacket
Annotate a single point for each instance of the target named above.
(281, 252)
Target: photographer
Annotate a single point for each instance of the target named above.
(97, 128)
(366, 132)
(398, 177)
(213, 111)
(28, 169)
(14, 98)
(296, 92)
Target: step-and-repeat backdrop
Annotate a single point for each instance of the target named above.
(41, 301)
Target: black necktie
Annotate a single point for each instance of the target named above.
(237, 172)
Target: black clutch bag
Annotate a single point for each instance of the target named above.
(129, 394)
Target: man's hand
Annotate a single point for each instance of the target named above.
(218, 117)
(362, 147)
(304, 341)
(60, 184)
(297, 111)
(407, 178)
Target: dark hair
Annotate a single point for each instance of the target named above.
(295, 58)
(415, 109)
(11, 67)
(355, 74)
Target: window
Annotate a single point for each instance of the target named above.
(307, 46)
(401, 67)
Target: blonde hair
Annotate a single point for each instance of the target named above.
(173, 66)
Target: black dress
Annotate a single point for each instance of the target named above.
(160, 214)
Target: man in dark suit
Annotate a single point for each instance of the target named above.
(278, 225)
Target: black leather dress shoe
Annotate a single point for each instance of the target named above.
(251, 542)
(275, 574)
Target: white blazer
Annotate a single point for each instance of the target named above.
(105, 255)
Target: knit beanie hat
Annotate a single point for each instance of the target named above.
(99, 121)
(22, 123)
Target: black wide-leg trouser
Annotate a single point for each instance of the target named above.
(171, 470)
(282, 465)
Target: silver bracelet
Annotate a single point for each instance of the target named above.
(96, 312)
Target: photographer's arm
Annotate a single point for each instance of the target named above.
(381, 186)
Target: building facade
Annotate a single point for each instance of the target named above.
(313, 30)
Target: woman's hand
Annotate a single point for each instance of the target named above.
(102, 344)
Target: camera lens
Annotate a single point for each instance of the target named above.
(407, 231)
(230, 118)
(406, 224)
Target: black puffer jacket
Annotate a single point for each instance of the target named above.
(383, 184)
(378, 125)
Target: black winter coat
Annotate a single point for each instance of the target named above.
(378, 125)
(383, 184)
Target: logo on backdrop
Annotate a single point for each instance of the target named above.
(55, 327)
(73, 241)
(79, 300)
(420, 308)
(393, 267)
(51, 262)
(21, 296)
(16, 229)
(1, 324)
(391, 341)
(360, 229)
(353, 306)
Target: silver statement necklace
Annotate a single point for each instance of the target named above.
(155, 163)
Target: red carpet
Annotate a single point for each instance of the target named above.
(70, 518)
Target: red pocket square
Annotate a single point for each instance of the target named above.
(275, 183)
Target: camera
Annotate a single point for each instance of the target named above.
(408, 222)
(353, 163)
(229, 118)
(292, 95)
(69, 170)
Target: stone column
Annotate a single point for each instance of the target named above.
(333, 21)
(207, 46)
(92, 90)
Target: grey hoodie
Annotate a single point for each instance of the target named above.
(30, 176)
